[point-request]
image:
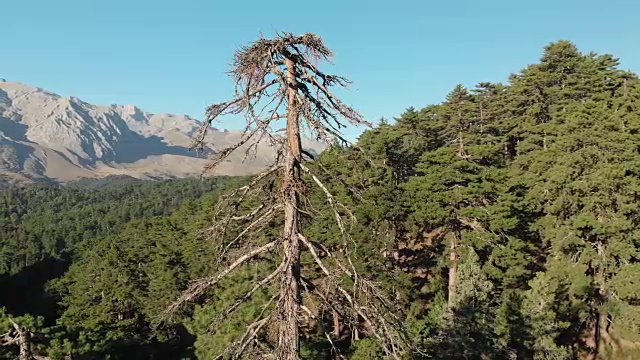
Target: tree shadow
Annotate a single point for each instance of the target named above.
(13, 155)
(181, 347)
(134, 147)
(13, 129)
(24, 292)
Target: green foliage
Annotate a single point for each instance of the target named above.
(543, 306)
(214, 335)
(123, 274)
(366, 349)
(48, 221)
(467, 330)
(532, 184)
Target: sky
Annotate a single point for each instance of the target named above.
(172, 56)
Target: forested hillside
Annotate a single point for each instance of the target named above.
(501, 223)
(44, 228)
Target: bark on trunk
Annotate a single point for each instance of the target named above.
(605, 336)
(24, 342)
(337, 327)
(453, 270)
(288, 338)
(600, 330)
(601, 318)
(593, 339)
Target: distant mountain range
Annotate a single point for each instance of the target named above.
(47, 136)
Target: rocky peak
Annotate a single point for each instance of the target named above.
(40, 127)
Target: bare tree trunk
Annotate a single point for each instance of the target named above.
(288, 338)
(601, 317)
(337, 326)
(453, 270)
(25, 348)
(24, 341)
(593, 340)
(605, 335)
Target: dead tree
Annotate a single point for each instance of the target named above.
(277, 82)
(22, 337)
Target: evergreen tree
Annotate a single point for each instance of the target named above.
(577, 163)
(499, 224)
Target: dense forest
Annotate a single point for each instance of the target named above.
(501, 223)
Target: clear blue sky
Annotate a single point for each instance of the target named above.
(171, 56)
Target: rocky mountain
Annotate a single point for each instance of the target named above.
(48, 136)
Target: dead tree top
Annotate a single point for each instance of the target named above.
(258, 70)
(263, 52)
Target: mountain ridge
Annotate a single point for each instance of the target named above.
(44, 135)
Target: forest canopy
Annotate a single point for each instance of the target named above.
(502, 223)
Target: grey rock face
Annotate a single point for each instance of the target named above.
(43, 134)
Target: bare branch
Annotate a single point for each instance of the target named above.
(216, 110)
(237, 348)
(250, 215)
(201, 285)
(330, 199)
(232, 201)
(368, 314)
(249, 294)
(264, 219)
(21, 336)
(317, 259)
(250, 334)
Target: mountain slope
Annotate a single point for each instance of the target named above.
(45, 135)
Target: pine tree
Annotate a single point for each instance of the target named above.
(456, 181)
(542, 305)
(577, 164)
(466, 331)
